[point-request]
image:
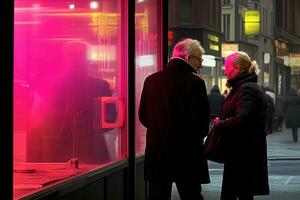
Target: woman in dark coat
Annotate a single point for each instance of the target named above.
(242, 123)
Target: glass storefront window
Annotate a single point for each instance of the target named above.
(147, 55)
(69, 89)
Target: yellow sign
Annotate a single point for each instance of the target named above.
(252, 16)
(252, 28)
(252, 22)
(214, 47)
(213, 38)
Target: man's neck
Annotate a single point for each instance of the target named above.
(184, 61)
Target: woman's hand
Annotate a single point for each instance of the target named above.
(216, 120)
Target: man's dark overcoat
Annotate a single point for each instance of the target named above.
(243, 112)
(174, 109)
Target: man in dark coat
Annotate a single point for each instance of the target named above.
(174, 109)
(215, 99)
(242, 124)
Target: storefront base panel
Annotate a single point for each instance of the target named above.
(106, 184)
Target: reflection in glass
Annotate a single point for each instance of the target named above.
(68, 55)
(146, 53)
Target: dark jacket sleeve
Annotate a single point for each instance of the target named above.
(246, 108)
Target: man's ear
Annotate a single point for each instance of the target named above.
(187, 57)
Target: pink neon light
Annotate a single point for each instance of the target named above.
(66, 55)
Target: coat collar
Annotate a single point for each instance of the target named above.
(242, 78)
(177, 63)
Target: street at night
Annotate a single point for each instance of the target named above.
(283, 166)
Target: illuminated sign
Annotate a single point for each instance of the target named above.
(214, 40)
(252, 28)
(214, 47)
(294, 59)
(209, 61)
(252, 22)
(252, 16)
(229, 49)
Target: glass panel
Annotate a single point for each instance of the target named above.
(147, 50)
(69, 87)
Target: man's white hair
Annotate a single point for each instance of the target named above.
(186, 47)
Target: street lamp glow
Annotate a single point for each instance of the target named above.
(94, 5)
(72, 6)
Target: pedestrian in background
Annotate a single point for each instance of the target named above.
(270, 109)
(242, 122)
(174, 109)
(215, 99)
(292, 107)
(269, 91)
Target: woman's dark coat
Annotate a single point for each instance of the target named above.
(174, 109)
(243, 126)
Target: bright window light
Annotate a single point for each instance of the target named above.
(209, 61)
(94, 5)
(72, 6)
(145, 60)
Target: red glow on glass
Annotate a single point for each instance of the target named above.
(170, 35)
(148, 55)
(67, 55)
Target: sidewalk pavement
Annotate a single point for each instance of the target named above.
(282, 147)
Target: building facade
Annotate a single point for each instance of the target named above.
(287, 43)
(257, 41)
(275, 46)
(201, 20)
